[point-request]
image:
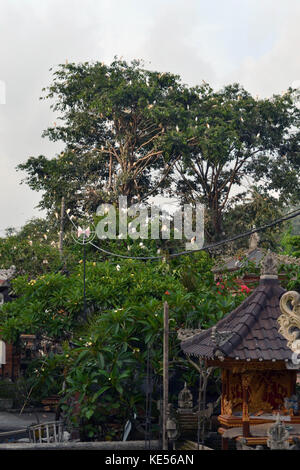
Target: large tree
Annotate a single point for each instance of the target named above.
(240, 140)
(123, 127)
(129, 131)
(256, 208)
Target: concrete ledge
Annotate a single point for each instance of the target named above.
(103, 445)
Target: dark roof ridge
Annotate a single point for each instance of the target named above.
(238, 333)
(227, 317)
(260, 308)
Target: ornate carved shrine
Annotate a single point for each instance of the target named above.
(258, 376)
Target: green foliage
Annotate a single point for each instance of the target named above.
(104, 359)
(130, 131)
(258, 209)
(134, 132)
(119, 123)
(33, 249)
(291, 244)
(235, 137)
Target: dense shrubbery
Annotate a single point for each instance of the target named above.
(103, 357)
(130, 131)
(103, 362)
(291, 244)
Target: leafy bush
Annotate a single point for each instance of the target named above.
(104, 358)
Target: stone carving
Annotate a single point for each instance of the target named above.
(289, 321)
(241, 444)
(207, 412)
(278, 436)
(253, 241)
(269, 264)
(219, 337)
(185, 398)
(185, 333)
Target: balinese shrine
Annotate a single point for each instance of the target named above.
(258, 376)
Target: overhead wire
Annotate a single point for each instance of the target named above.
(211, 246)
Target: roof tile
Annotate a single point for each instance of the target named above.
(254, 329)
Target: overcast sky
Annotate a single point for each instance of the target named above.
(254, 42)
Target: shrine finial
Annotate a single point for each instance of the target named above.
(269, 266)
(253, 241)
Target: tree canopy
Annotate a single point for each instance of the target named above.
(134, 132)
(240, 141)
(121, 128)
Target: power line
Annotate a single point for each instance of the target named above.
(288, 216)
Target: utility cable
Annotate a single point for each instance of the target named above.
(211, 246)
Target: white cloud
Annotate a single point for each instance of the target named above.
(172, 43)
(254, 42)
(279, 66)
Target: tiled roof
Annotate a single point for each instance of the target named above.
(248, 332)
(254, 256)
(233, 264)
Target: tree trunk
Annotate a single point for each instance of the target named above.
(215, 225)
